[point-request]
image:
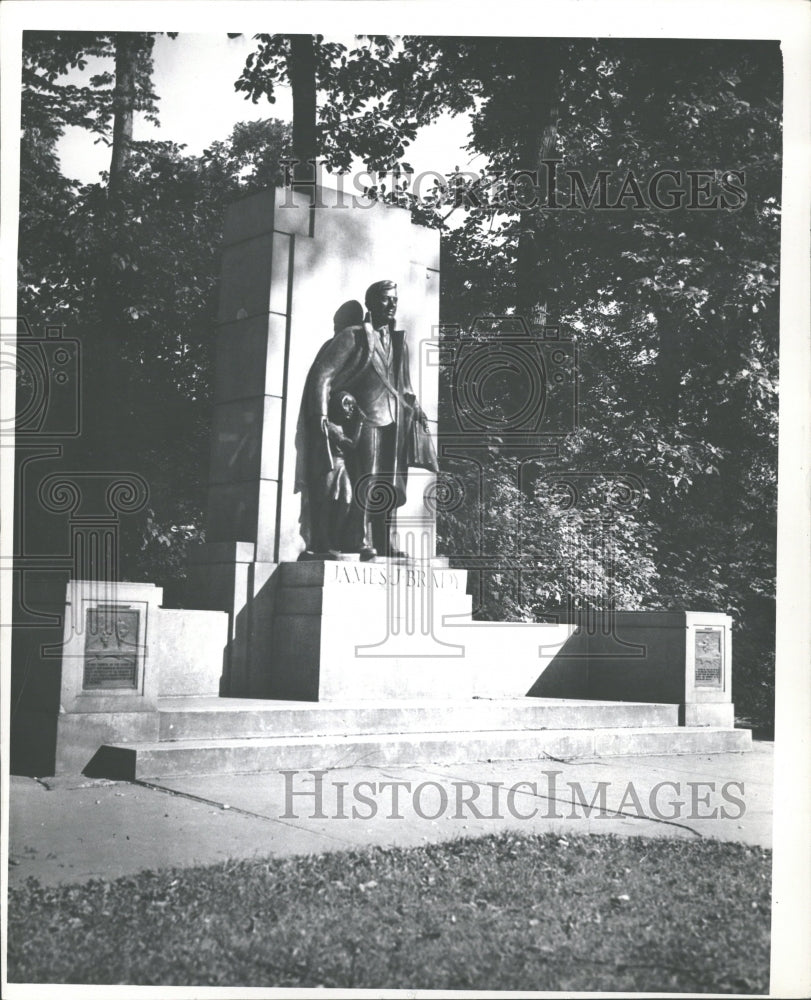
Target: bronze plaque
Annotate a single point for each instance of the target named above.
(111, 647)
(709, 657)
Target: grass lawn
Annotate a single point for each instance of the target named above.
(503, 912)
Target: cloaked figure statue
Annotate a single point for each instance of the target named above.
(359, 430)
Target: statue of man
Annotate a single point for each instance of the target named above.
(368, 363)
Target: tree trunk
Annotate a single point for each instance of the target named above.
(111, 386)
(301, 69)
(126, 47)
(540, 82)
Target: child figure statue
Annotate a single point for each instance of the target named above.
(343, 527)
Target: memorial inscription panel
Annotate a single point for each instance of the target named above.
(111, 647)
(394, 576)
(709, 657)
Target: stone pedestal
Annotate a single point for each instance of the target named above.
(345, 630)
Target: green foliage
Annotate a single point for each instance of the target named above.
(136, 281)
(675, 312)
(354, 118)
(570, 558)
(52, 103)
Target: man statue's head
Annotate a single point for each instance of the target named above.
(381, 301)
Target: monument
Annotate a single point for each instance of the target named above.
(319, 586)
(321, 451)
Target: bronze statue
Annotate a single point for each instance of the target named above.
(359, 429)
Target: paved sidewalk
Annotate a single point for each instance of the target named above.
(75, 829)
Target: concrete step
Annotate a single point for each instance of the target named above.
(267, 754)
(241, 718)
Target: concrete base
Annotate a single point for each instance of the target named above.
(79, 735)
(350, 630)
(384, 630)
(267, 755)
(382, 660)
(721, 714)
(205, 737)
(190, 653)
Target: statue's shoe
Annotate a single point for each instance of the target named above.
(368, 554)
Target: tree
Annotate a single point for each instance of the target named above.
(157, 258)
(133, 90)
(351, 120)
(104, 105)
(675, 310)
(107, 99)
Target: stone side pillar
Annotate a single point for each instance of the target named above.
(681, 657)
(109, 687)
(121, 652)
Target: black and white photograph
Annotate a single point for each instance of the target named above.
(406, 514)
